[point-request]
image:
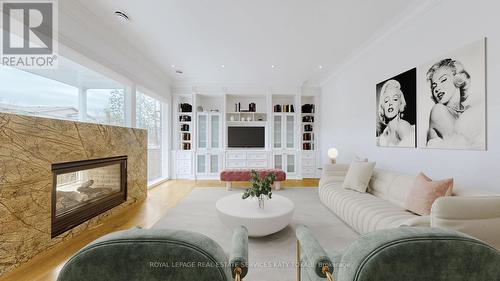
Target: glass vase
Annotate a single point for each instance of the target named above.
(261, 201)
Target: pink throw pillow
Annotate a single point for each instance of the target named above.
(424, 192)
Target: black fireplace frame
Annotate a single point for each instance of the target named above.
(72, 218)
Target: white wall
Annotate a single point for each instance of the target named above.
(83, 32)
(348, 98)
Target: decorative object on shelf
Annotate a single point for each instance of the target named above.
(261, 187)
(283, 108)
(397, 110)
(185, 127)
(252, 107)
(214, 110)
(306, 146)
(308, 118)
(332, 154)
(185, 118)
(199, 108)
(452, 111)
(308, 128)
(231, 118)
(186, 136)
(185, 107)
(308, 108)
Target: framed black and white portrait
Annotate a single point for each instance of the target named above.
(397, 110)
(452, 100)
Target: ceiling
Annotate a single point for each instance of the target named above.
(249, 36)
(76, 75)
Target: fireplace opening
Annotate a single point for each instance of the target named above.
(85, 189)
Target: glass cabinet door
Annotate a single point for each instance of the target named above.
(278, 161)
(290, 163)
(277, 120)
(214, 131)
(201, 164)
(202, 131)
(214, 164)
(290, 131)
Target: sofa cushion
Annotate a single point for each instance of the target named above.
(391, 186)
(424, 192)
(364, 212)
(358, 176)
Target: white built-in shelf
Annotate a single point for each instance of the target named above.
(246, 123)
(239, 116)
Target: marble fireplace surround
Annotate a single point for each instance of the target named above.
(28, 148)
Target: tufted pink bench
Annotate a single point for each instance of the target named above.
(244, 175)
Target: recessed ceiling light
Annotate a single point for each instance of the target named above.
(320, 66)
(273, 66)
(172, 66)
(121, 15)
(222, 66)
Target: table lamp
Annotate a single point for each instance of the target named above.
(332, 154)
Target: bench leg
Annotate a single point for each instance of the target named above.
(228, 185)
(277, 185)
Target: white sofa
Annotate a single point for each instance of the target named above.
(383, 206)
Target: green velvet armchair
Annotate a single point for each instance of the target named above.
(158, 254)
(406, 253)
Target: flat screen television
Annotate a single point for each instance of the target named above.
(246, 137)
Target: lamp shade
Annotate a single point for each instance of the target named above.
(333, 153)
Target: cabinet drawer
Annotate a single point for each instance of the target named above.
(307, 171)
(257, 163)
(235, 164)
(183, 163)
(236, 155)
(308, 162)
(307, 155)
(183, 170)
(184, 155)
(257, 155)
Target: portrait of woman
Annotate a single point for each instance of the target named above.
(396, 111)
(454, 115)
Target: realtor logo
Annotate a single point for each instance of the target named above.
(28, 34)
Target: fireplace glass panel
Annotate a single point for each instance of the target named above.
(75, 189)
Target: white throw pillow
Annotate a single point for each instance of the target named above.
(359, 176)
(360, 159)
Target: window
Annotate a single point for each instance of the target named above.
(106, 106)
(71, 92)
(27, 93)
(149, 116)
(74, 92)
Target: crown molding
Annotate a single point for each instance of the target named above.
(409, 14)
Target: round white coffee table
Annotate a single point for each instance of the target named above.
(276, 214)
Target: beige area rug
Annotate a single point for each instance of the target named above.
(271, 258)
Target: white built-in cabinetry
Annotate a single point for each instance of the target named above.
(183, 164)
(200, 144)
(247, 159)
(208, 144)
(308, 136)
(285, 142)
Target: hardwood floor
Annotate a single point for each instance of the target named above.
(46, 266)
